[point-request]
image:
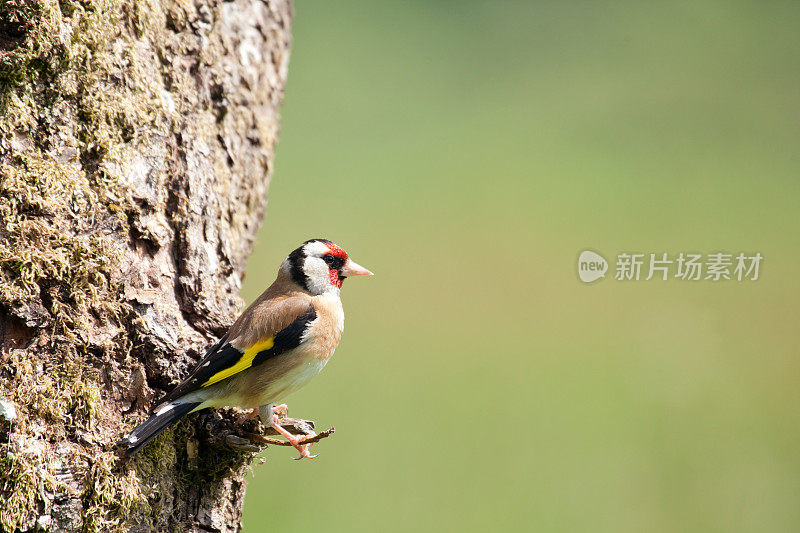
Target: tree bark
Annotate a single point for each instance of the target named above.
(136, 145)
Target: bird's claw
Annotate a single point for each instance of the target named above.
(298, 443)
(283, 409)
(268, 412)
(245, 417)
(306, 457)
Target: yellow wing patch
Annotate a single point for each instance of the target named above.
(245, 362)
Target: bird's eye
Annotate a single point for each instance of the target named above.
(329, 259)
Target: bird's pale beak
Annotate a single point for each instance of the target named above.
(351, 268)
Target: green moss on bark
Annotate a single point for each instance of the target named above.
(68, 109)
(66, 116)
(135, 142)
(61, 399)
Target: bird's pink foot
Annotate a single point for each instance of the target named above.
(244, 417)
(296, 441)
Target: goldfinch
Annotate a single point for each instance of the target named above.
(274, 348)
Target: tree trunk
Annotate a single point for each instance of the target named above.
(136, 144)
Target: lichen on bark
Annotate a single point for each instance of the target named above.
(136, 143)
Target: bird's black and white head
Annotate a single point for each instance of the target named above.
(320, 266)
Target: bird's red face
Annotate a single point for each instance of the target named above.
(320, 265)
(336, 258)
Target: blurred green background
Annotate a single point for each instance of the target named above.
(466, 152)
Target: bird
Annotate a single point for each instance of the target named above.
(275, 347)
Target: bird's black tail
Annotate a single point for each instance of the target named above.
(161, 419)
